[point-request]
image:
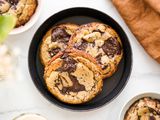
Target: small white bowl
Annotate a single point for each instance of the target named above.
(134, 99)
(30, 116)
(31, 22)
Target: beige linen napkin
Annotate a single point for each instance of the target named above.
(143, 18)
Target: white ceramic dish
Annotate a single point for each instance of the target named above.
(30, 116)
(31, 22)
(134, 99)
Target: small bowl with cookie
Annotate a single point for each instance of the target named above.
(79, 60)
(145, 106)
(26, 13)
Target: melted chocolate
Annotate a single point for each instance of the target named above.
(60, 35)
(82, 45)
(98, 31)
(152, 118)
(98, 58)
(53, 52)
(104, 67)
(76, 87)
(153, 111)
(13, 2)
(69, 65)
(112, 47)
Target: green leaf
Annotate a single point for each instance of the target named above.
(7, 23)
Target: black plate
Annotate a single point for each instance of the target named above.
(112, 86)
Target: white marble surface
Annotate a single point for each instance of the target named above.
(20, 95)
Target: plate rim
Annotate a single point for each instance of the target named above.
(77, 108)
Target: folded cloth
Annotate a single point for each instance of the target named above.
(143, 18)
(155, 4)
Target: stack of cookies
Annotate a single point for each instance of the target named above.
(78, 58)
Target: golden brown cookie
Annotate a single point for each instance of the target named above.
(102, 43)
(144, 109)
(56, 40)
(72, 79)
(22, 9)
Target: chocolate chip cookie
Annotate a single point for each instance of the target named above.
(22, 9)
(102, 43)
(72, 79)
(56, 40)
(144, 109)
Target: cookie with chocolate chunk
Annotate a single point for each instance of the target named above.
(56, 40)
(72, 79)
(22, 9)
(102, 43)
(144, 109)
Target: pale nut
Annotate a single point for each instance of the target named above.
(70, 32)
(85, 32)
(104, 59)
(53, 45)
(99, 43)
(48, 40)
(105, 36)
(62, 46)
(143, 111)
(93, 36)
(145, 117)
(102, 28)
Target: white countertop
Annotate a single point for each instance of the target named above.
(21, 96)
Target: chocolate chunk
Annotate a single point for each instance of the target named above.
(69, 64)
(98, 31)
(60, 35)
(152, 118)
(53, 52)
(98, 58)
(153, 111)
(81, 45)
(64, 56)
(104, 67)
(13, 2)
(112, 47)
(76, 87)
